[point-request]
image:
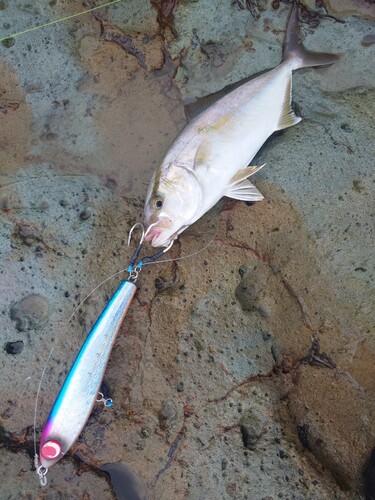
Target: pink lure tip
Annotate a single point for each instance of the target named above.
(51, 449)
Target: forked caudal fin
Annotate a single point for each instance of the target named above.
(294, 50)
(298, 57)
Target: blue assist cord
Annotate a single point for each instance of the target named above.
(133, 267)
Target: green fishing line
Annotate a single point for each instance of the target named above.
(51, 23)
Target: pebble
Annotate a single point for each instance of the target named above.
(8, 42)
(159, 283)
(86, 214)
(31, 312)
(141, 445)
(303, 434)
(252, 428)
(14, 347)
(145, 432)
(368, 39)
(180, 387)
(251, 291)
(29, 234)
(167, 414)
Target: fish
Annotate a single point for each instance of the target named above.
(211, 156)
(79, 392)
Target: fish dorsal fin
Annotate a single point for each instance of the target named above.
(287, 117)
(240, 188)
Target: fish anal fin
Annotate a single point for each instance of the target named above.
(244, 191)
(287, 116)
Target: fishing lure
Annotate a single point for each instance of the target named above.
(80, 390)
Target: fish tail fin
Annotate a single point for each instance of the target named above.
(296, 53)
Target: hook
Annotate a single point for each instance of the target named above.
(134, 268)
(138, 224)
(135, 256)
(150, 227)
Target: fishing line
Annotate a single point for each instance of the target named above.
(37, 398)
(42, 471)
(56, 21)
(145, 264)
(185, 256)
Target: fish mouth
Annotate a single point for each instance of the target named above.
(153, 236)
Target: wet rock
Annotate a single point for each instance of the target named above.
(330, 413)
(220, 351)
(31, 312)
(14, 347)
(252, 428)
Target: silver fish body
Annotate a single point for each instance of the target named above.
(211, 156)
(79, 392)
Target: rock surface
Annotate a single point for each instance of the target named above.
(246, 371)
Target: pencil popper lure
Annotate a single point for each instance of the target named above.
(80, 390)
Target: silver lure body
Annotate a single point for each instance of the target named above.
(79, 392)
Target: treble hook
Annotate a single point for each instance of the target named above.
(133, 268)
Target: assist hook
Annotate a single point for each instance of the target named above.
(133, 268)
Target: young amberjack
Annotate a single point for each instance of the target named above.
(211, 156)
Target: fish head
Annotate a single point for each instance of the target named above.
(173, 201)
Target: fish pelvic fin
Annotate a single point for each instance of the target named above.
(240, 188)
(296, 53)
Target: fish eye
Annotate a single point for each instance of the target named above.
(157, 202)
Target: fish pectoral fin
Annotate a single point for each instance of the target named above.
(203, 155)
(244, 173)
(287, 117)
(244, 191)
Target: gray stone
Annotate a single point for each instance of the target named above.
(30, 313)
